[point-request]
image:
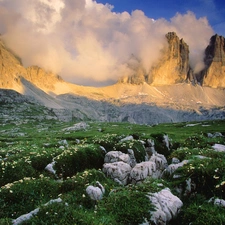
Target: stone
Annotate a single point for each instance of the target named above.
(143, 170)
(219, 202)
(77, 126)
(219, 147)
(160, 161)
(29, 215)
(128, 138)
(95, 192)
(167, 206)
(118, 171)
(116, 156)
(173, 167)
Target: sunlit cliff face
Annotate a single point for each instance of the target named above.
(86, 42)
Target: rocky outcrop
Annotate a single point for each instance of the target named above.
(167, 206)
(10, 68)
(214, 73)
(172, 67)
(12, 71)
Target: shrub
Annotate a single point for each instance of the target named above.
(107, 141)
(79, 158)
(160, 146)
(207, 174)
(201, 213)
(127, 206)
(12, 170)
(25, 195)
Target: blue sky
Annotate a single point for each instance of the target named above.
(214, 10)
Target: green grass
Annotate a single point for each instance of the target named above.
(25, 185)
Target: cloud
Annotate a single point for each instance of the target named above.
(82, 39)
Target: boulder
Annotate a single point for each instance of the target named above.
(160, 161)
(143, 170)
(118, 171)
(219, 147)
(117, 156)
(173, 167)
(167, 206)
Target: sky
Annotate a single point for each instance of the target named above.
(93, 43)
(214, 10)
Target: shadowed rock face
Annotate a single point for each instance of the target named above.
(214, 73)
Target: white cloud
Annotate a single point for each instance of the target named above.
(83, 39)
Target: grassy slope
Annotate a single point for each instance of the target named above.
(26, 185)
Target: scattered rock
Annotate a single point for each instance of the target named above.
(216, 134)
(29, 215)
(118, 171)
(95, 192)
(143, 170)
(167, 206)
(116, 156)
(128, 138)
(77, 126)
(219, 147)
(173, 167)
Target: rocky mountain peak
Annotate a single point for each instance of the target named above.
(215, 52)
(172, 67)
(12, 71)
(214, 73)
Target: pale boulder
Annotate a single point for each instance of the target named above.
(118, 171)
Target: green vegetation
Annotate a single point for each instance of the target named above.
(28, 146)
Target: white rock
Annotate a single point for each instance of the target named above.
(219, 147)
(103, 149)
(63, 142)
(173, 167)
(166, 141)
(167, 206)
(175, 160)
(118, 171)
(160, 161)
(143, 170)
(25, 217)
(29, 215)
(50, 168)
(95, 192)
(117, 156)
(219, 202)
(128, 138)
(77, 126)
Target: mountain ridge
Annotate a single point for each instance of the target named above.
(131, 99)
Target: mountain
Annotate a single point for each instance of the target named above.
(165, 94)
(172, 67)
(214, 73)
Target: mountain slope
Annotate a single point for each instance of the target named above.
(132, 100)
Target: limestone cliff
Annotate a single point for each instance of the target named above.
(12, 70)
(172, 67)
(214, 73)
